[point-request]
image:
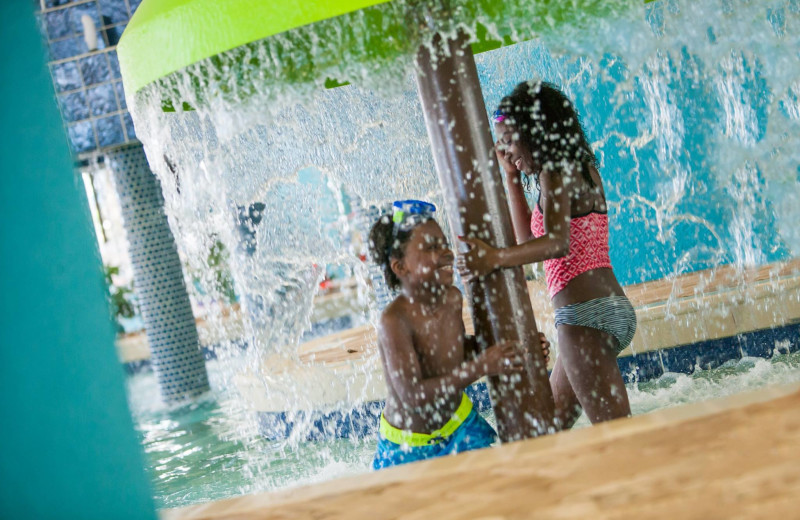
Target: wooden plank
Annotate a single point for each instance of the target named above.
(723, 278)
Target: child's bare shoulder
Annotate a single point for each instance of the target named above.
(454, 292)
(394, 315)
(454, 296)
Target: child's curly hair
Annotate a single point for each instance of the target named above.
(549, 126)
(384, 245)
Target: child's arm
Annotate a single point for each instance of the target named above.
(482, 259)
(405, 375)
(517, 203)
(472, 348)
(518, 206)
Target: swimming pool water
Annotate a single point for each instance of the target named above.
(210, 449)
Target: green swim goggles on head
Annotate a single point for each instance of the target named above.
(407, 214)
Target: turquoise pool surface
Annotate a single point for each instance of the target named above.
(210, 449)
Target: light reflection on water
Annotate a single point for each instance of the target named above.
(199, 452)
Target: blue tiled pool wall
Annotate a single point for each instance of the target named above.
(705, 355)
(88, 85)
(638, 252)
(362, 422)
(359, 423)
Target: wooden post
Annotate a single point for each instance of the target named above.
(463, 151)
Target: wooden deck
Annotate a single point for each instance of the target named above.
(734, 458)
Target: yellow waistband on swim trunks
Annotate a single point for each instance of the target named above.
(398, 436)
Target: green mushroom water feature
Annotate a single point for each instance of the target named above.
(251, 123)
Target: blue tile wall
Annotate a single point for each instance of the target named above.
(787, 339)
(120, 95)
(679, 360)
(81, 136)
(131, 133)
(714, 353)
(57, 24)
(73, 106)
(63, 49)
(88, 84)
(109, 131)
(77, 12)
(102, 100)
(114, 11)
(66, 76)
(362, 422)
(95, 69)
(56, 3)
(113, 63)
(758, 345)
(114, 33)
(641, 367)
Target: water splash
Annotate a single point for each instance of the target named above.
(692, 107)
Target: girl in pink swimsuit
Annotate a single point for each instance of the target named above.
(541, 137)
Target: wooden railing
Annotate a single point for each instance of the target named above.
(649, 298)
(658, 302)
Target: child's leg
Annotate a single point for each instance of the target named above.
(590, 362)
(568, 408)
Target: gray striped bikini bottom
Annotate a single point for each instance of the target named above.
(612, 314)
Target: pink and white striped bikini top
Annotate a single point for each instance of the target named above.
(588, 248)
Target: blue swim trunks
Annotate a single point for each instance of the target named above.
(465, 431)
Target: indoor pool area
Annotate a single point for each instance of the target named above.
(400, 259)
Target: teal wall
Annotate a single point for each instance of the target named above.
(67, 444)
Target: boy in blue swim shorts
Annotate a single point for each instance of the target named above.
(428, 359)
(465, 431)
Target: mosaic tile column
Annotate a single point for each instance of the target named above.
(158, 278)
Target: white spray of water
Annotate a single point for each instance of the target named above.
(256, 143)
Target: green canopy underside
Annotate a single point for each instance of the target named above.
(167, 35)
(296, 41)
